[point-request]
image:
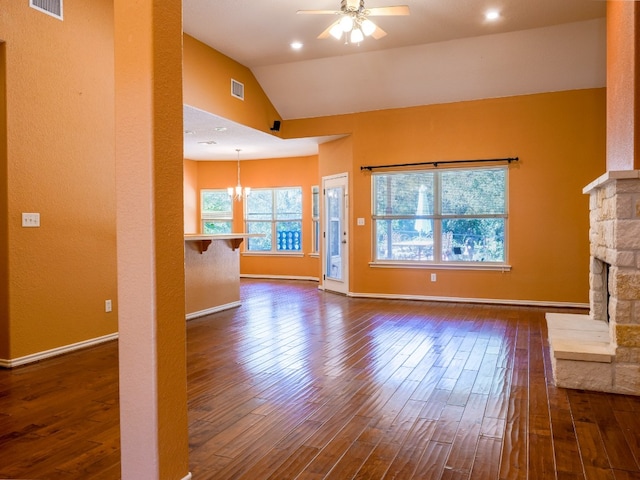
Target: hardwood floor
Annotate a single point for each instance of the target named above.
(303, 384)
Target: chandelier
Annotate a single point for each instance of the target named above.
(238, 192)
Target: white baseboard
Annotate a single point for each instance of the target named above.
(188, 476)
(209, 311)
(498, 301)
(54, 352)
(280, 277)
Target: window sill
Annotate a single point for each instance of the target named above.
(273, 254)
(442, 266)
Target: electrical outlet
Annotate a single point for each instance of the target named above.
(107, 306)
(30, 219)
(433, 277)
(360, 221)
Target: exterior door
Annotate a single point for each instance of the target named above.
(335, 250)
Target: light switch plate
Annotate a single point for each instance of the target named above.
(30, 219)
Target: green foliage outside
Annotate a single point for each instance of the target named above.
(467, 207)
(272, 213)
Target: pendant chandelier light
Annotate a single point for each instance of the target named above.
(238, 192)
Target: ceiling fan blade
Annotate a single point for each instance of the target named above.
(326, 33)
(395, 10)
(378, 33)
(319, 12)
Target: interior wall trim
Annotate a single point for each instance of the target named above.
(497, 301)
(281, 277)
(54, 352)
(209, 311)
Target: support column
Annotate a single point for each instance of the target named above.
(150, 242)
(623, 85)
(5, 351)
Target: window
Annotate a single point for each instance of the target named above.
(440, 216)
(216, 211)
(277, 214)
(315, 218)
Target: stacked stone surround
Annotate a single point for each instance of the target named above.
(587, 352)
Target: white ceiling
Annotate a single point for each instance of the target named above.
(210, 137)
(444, 51)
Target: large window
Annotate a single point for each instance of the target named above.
(216, 211)
(440, 216)
(275, 213)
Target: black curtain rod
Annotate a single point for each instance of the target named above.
(441, 162)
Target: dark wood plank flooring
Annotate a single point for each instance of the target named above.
(302, 384)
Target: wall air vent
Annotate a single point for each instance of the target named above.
(237, 89)
(50, 7)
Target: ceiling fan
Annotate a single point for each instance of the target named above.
(354, 22)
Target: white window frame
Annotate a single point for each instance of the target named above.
(315, 220)
(273, 221)
(222, 216)
(436, 217)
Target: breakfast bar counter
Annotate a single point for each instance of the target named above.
(212, 272)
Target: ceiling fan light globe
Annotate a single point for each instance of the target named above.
(336, 31)
(356, 35)
(346, 23)
(368, 27)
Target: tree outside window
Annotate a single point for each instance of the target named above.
(276, 213)
(441, 216)
(216, 211)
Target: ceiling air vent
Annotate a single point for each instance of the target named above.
(50, 7)
(237, 89)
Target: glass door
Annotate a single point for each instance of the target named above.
(335, 234)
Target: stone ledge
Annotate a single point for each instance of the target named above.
(611, 176)
(580, 338)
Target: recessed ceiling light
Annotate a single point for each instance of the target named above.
(189, 132)
(208, 142)
(492, 15)
(296, 45)
(220, 129)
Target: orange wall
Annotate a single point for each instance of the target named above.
(207, 78)
(337, 157)
(60, 163)
(560, 140)
(278, 172)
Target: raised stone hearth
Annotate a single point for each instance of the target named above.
(601, 351)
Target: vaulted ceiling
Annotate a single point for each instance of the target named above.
(444, 51)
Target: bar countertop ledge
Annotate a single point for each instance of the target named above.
(212, 272)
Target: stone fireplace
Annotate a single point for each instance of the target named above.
(601, 351)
